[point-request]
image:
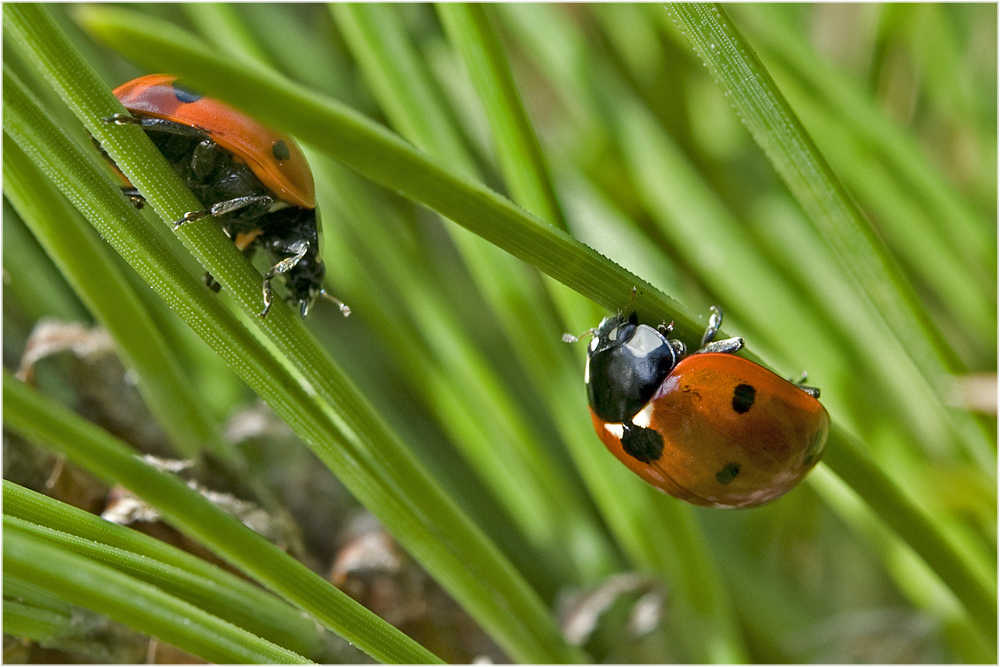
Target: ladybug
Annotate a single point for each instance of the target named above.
(255, 181)
(707, 427)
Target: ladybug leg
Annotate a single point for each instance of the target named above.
(246, 245)
(300, 249)
(812, 391)
(134, 196)
(157, 124)
(259, 203)
(725, 346)
(708, 342)
(714, 324)
(800, 383)
(262, 203)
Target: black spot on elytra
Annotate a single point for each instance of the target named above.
(643, 444)
(743, 397)
(280, 150)
(728, 473)
(185, 95)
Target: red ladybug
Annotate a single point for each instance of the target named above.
(708, 427)
(255, 181)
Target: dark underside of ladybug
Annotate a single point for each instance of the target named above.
(216, 176)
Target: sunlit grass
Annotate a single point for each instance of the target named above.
(476, 168)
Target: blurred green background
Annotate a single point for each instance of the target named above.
(457, 345)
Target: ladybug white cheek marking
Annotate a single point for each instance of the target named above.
(617, 430)
(586, 371)
(644, 416)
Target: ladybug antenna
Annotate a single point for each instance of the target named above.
(570, 338)
(344, 308)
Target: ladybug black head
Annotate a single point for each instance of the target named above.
(292, 233)
(305, 282)
(626, 363)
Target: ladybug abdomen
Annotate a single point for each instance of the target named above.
(734, 434)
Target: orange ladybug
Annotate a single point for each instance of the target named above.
(708, 427)
(255, 181)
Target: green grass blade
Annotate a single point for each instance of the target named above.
(707, 631)
(970, 575)
(885, 554)
(958, 228)
(376, 34)
(39, 419)
(470, 29)
(332, 417)
(21, 619)
(84, 260)
(177, 572)
(386, 159)
(33, 612)
(47, 293)
(939, 236)
(86, 583)
(782, 137)
(414, 105)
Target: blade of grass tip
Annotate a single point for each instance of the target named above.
(214, 589)
(83, 259)
(43, 421)
(470, 30)
(386, 159)
(344, 431)
(780, 134)
(137, 604)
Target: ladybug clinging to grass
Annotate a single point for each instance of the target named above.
(254, 181)
(707, 427)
